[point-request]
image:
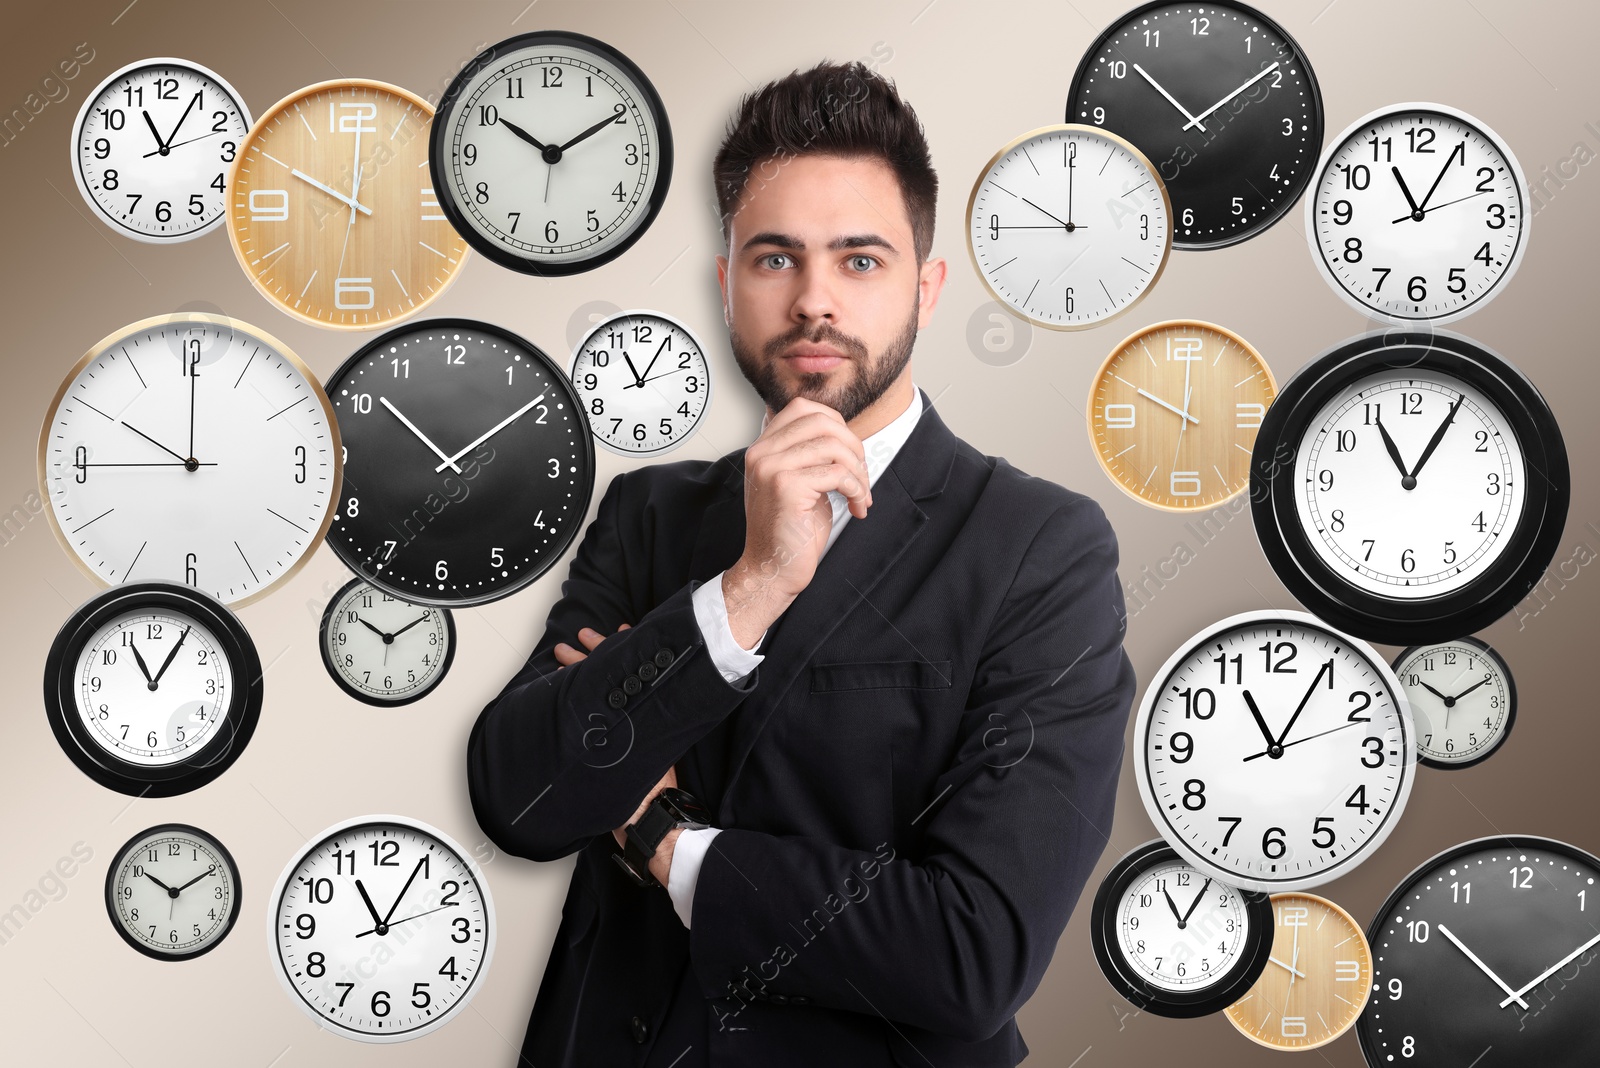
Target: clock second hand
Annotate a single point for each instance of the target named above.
(491, 432)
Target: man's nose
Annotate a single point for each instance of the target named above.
(815, 300)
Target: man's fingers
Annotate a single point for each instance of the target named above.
(806, 429)
(833, 476)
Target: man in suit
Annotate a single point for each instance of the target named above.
(889, 666)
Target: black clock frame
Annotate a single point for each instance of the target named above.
(344, 684)
(196, 769)
(1390, 620)
(1489, 653)
(439, 153)
(227, 859)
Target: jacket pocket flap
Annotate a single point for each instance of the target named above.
(917, 674)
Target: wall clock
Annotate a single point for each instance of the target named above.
(643, 381)
(1274, 752)
(1069, 226)
(152, 688)
(1224, 102)
(152, 145)
(1175, 941)
(335, 219)
(384, 650)
(1462, 698)
(470, 465)
(1419, 212)
(173, 892)
(380, 929)
(1409, 487)
(1486, 954)
(552, 153)
(1319, 979)
(1173, 414)
(190, 447)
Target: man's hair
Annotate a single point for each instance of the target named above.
(832, 109)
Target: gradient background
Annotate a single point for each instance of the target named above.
(978, 73)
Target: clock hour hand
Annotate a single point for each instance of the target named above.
(370, 627)
(168, 662)
(1169, 407)
(1181, 109)
(1416, 210)
(1063, 222)
(148, 680)
(1438, 436)
(349, 202)
(1407, 481)
(1287, 968)
(1173, 905)
(1273, 748)
(492, 431)
(448, 461)
(372, 909)
(596, 128)
(1195, 121)
(158, 882)
(638, 379)
(1437, 694)
(154, 442)
(161, 144)
(524, 134)
(1482, 967)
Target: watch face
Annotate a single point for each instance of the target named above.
(469, 464)
(383, 650)
(643, 381)
(191, 448)
(152, 146)
(173, 892)
(1221, 99)
(1483, 957)
(335, 220)
(1318, 980)
(1069, 226)
(380, 929)
(552, 153)
(1274, 752)
(1420, 213)
(1462, 698)
(1173, 414)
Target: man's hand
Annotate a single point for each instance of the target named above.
(589, 637)
(661, 863)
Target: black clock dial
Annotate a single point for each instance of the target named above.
(468, 464)
(1222, 101)
(1485, 955)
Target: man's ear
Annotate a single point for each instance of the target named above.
(930, 283)
(722, 283)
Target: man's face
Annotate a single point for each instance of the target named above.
(821, 288)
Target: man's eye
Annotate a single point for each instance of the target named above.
(769, 257)
(862, 263)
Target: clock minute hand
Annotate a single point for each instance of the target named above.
(448, 462)
(1482, 967)
(192, 102)
(591, 131)
(209, 871)
(1196, 902)
(168, 662)
(1438, 436)
(1170, 99)
(1548, 972)
(408, 626)
(492, 431)
(644, 377)
(400, 896)
(1461, 147)
(1196, 120)
(1469, 689)
(1327, 665)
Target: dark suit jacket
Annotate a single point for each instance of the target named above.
(915, 784)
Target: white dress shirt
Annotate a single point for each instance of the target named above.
(735, 662)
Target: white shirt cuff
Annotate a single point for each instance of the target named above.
(687, 856)
(711, 612)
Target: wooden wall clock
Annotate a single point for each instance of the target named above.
(1317, 981)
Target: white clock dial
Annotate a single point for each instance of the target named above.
(1463, 699)
(385, 650)
(381, 929)
(1069, 226)
(1181, 928)
(644, 383)
(1409, 485)
(1419, 212)
(152, 145)
(190, 448)
(1274, 752)
(173, 892)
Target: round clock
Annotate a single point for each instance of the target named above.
(383, 650)
(380, 929)
(1174, 941)
(1221, 98)
(173, 892)
(152, 689)
(334, 219)
(552, 153)
(1068, 226)
(1173, 414)
(1319, 980)
(151, 147)
(1462, 698)
(1484, 959)
(1416, 486)
(194, 448)
(470, 466)
(1274, 752)
(1419, 213)
(643, 381)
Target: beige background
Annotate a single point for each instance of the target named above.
(978, 74)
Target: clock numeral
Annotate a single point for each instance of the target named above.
(305, 925)
(430, 206)
(1421, 139)
(488, 115)
(1292, 1026)
(1396, 988)
(1342, 213)
(108, 180)
(1417, 289)
(1188, 480)
(1194, 795)
(1318, 830)
(1118, 417)
(1457, 280)
(1336, 520)
(114, 118)
(1182, 748)
(1358, 800)
(1375, 751)
(269, 205)
(617, 192)
(1201, 27)
(497, 556)
(358, 116)
(1417, 930)
(1273, 846)
(316, 965)
(1497, 217)
(513, 88)
(1522, 878)
(1352, 250)
(1461, 893)
(469, 154)
(1099, 115)
(441, 570)
(552, 77)
(219, 121)
(419, 991)
(1356, 176)
(1344, 441)
(300, 463)
(1294, 916)
(166, 88)
(1483, 255)
(1280, 666)
(1068, 300)
(1198, 704)
(1184, 349)
(318, 891)
(1388, 148)
(1355, 713)
(463, 927)
(448, 969)
(385, 853)
(1152, 38)
(102, 147)
(1494, 484)
(1408, 1047)
(1408, 562)
(353, 294)
(630, 155)
(1235, 820)
(190, 575)
(380, 1003)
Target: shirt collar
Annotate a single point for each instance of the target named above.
(880, 448)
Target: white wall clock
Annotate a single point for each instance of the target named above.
(384, 650)
(644, 382)
(173, 892)
(1463, 698)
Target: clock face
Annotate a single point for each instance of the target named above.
(335, 219)
(152, 146)
(383, 650)
(173, 892)
(643, 381)
(1173, 414)
(552, 153)
(1419, 213)
(1317, 982)
(1069, 226)
(193, 448)
(1483, 957)
(1223, 101)
(469, 465)
(381, 928)
(1462, 697)
(1274, 752)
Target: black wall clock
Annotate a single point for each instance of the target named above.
(468, 464)
(384, 650)
(1222, 101)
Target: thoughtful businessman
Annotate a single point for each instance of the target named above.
(882, 669)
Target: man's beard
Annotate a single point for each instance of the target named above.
(866, 381)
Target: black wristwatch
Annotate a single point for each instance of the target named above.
(671, 808)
